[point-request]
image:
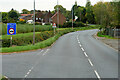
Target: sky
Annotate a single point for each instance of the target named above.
(7, 5)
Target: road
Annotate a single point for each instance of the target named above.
(74, 55)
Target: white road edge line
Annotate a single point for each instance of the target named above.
(45, 52)
(82, 49)
(40, 52)
(90, 62)
(85, 54)
(97, 74)
(6, 77)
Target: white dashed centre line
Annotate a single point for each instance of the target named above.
(90, 62)
(88, 59)
(85, 54)
(97, 74)
(82, 49)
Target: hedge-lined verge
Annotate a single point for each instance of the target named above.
(38, 45)
(99, 34)
(44, 43)
(76, 24)
(26, 39)
(27, 28)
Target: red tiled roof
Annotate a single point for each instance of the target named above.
(26, 14)
(54, 15)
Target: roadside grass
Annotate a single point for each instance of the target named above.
(106, 36)
(19, 35)
(27, 28)
(3, 78)
(38, 45)
(44, 43)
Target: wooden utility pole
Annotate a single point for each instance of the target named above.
(34, 26)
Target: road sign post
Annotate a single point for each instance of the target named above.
(11, 30)
(54, 26)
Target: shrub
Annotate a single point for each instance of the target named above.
(25, 40)
(27, 28)
(75, 24)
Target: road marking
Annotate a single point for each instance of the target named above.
(30, 70)
(82, 49)
(28, 73)
(26, 76)
(80, 45)
(45, 52)
(85, 54)
(97, 74)
(40, 52)
(90, 62)
(36, 62)
(79, 42)
(6, 77)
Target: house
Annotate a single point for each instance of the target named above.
(43, 17)
(47, 17)
(62, 18)
(39, 17)
(26, 17)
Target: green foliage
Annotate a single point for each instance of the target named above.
(101, 34)
(4, 17)
(27, 39)
(80, 12)
(45, 43)
(38, 45)
(75, 24)
(106, 14)
(21, 22)
(25, 11)
(13, 15)
(27, 28)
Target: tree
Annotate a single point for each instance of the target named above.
(4, 17)
(25, 11)
(89, 13)
(13, 15)
(106, 14)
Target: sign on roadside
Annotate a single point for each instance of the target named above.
(11, 28)
(54, 25)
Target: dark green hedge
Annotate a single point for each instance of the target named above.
(75, 24)
(21, 41)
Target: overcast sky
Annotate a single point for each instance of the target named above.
(7, 5)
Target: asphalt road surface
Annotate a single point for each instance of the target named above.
(74, 55)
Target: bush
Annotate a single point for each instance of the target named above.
(25, 40)
(75, 24)
(38, 23)
(21, 22)
(27, 28)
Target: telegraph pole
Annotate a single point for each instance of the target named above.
(72, 17)
(34, 25)
(58, 15)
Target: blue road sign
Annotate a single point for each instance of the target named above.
(11, 28)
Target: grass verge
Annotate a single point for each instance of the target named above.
(44, 43)
(38, 45)
(106, 36)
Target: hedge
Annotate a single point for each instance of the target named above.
(27, 28)
(38, 45)
(25, 40)
(75, 24)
